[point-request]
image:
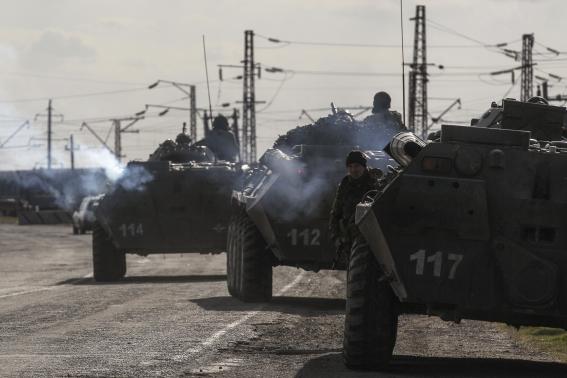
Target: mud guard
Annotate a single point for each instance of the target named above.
(370, 228)
(256, 212)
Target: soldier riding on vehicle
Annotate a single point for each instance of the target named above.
(221, 141)
(381, 113)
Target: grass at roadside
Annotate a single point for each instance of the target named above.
(8, 220)
(551, 339)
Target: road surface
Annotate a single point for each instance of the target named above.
(173, 316)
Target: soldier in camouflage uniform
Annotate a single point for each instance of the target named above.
(183, 139)
(221, 141)
(180, 151)
(350, 192)
(382, 116)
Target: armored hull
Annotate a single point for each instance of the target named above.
(290, 203)
(471, 228)
(477, 229)
(163, 207)
(281, 216)
(180, 209)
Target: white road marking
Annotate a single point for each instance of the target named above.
(221, 367)
(46, 288)
(27, 292)
(217, 335)
(56, 355)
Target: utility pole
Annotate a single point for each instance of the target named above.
(191, 94)
(49, 109)
(417, 102)
(251, 70)
(248, 145)
(102, 141)
(543, 90)
(117, 139)
(235, 128)
(118, 131)
(49, 116)
(192, 113)
(72, 148)
(166, 108)
(526, 89)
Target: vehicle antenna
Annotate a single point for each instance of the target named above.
(207, 74)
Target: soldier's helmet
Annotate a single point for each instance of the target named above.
(220, 123)
(183, 138)
(382, 101)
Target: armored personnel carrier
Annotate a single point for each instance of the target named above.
(472, 227)
(176, 202)
(281, 215)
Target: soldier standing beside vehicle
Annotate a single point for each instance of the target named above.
(350, 192)
(221, 141)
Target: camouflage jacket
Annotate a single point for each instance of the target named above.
(391, 119)
(349, 193)
(222, 143)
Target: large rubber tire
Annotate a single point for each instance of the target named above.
(371, 320)
(253, 263)
(75, 230)
(232, 237)
(109, 263)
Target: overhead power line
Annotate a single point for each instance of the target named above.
(377, 74)
(285, 42)
(68, 78)
(499, 47)
(441, 27)
(78, 95)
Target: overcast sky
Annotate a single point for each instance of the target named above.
(111, 51)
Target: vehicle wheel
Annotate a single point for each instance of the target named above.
(371, 320)
(230, 256)
(75, 230)
(109, 264)
(82, 230)
(253, 265)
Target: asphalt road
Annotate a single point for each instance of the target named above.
(172, 316)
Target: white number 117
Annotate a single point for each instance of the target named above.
(420, 257)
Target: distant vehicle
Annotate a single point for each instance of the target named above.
(176, 202)
(9, 206)
(472, 227)
(84, 217)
